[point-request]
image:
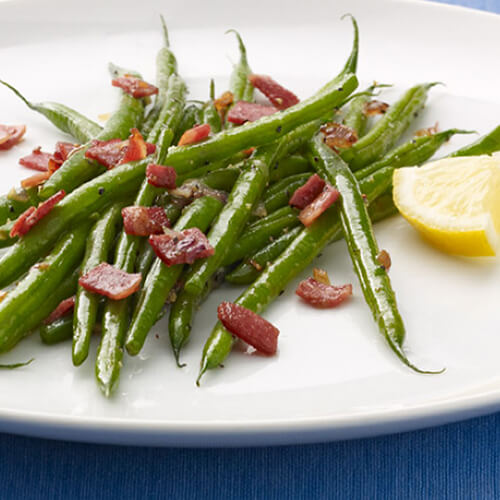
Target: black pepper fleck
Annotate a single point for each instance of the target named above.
(316, 159)
(340, 89)
(278, 129)
(281, 293)
(11, 209)
(101, 191)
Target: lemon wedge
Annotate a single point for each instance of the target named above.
(454, 203)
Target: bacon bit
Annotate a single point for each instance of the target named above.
(144, 221)
(10, 135)
(323, 296)
(426, 132)
(116, 152)
(150, 148)
(280, 97)
(306, 194)
(249, 327)
(63, 309)
(338, 135)
(135, 87)
(32, 216)
(322, 202)
(37, 160)
(249, 151)
(62, 152)
(181, 247)
(111, 282)
(255, 264)
(2, 295)
(223, 102)
(196, 134)
(384, 259)
(193, 189)
(161, 176)
(244, 111)
(136, 148)
(321, 276)
(372, 108)
(35, 180)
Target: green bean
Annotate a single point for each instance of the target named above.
(382, 207)
(260, 233)
(363, 248)
(161, 278)
(58, 331)
(263, 131)
(411, 153)
(290, 165)
(77, 169)
(78, 206)
(485, 145)
(274, 278)
(65, 119)
(355, 117)
(222, 178)
(249, 270)
(388, 129)
(13, 366)
(99, 244)
(33, 299)
(210, 115)
(239, 84)
(181, 315)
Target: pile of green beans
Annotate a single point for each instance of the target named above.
(257, 238)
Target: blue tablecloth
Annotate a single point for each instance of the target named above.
(452, 461)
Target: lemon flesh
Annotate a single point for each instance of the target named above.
(454, 203)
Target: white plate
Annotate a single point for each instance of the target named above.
(334, 376)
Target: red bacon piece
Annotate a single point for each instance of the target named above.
(136, 148)
(338, 135)
(308, 192)
(181, 247)
(10, 135)
(35, 180)
(134, 86)
(249, 327)
(37, 160)
(322, 202)
(150, 148)
(111, 282)
(107, 153)
(280, 97)
(321, 295)
(196, 134)
(244, 111)
(61, 154)
(161, 176)
(64, 308)
(143, 221)
(26, 221)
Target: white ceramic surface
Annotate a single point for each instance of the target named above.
(334, 377)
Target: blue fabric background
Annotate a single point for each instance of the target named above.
(453, 461)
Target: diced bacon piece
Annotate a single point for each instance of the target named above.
(10, 135)
(20, 226)
(35, 180)
(107, 153)
(111, 282)
(249, 152)
(196, 134)
(32, 218)
(384, 259)
(134, 86)
(244, 111)
(161, 176)
(144, 221)
(374, 107)
(338, 136)
(280, 97)
(181, 247)
(308, 192)
(37, 160)
(150, 148)
(249, 327)
(322, 202)
(61, 154)
(323, 296)
(63, 309)
(136, 148)
(427, 132)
